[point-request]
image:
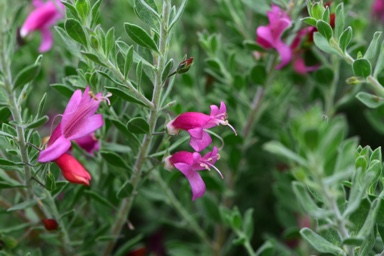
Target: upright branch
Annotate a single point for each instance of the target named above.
(159, 62)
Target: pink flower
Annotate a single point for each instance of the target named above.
(42, 18)
(195, 123)
(72, 170)
(270, 36)
(79, 120)
(89, 143)
(378, 9)
(189, 164)
(298, 49)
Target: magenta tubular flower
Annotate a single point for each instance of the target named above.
(72, 170)
(189, 164)
(195, 123)
(298, 48)
(89, 143)
(79, 120)
(270, 36)
(378, 9)
(45, 15)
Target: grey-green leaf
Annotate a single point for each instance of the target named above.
(345, 38)
(339, 19)
(371, 52)
(320, 243)
(370, 100)
(114, 159)
(76, 31)
(146, 10)
(324, 29)
(26, 75)
(140, 36)
(138, 125)
(362, 67)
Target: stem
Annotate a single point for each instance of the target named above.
(377, 87)
(330, 94)
(192, 224)
(15, 111)
(125, 207)
(331, 202)
(254, 110)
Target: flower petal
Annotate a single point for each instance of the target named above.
(54, 151)
(194, 179)
(46, 40)
(199, 144)
(72, 106)
(285, 54)
(84, 127)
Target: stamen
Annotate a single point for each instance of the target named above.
(93, 96)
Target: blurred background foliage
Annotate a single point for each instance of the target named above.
(292, 108)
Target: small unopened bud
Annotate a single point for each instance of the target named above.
(50, 224)
(184, 66)
(355, 80)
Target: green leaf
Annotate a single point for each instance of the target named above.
(5, 162)
(22, 206)
(109, 41)
(167, 70)
(50, 182)
(93, 58)
(248, 223)
(140, 36)
(65, 90)
(4, 185)
(76, 31)
(371, 52)
(362, 67)
(345, 38)
(380, 61)
(124, 94)
(310, 21)
(178, 14)
(26, 75)
(306, 201)
(139, 73)
(326, 15)
(125, 190)
(371, 219)
(319, 243)
(339, 20)
(355, 241)
(114, 159)
(128, 61)
(279, 149)
(82, 7)
(99, 198)
(39, 122)
(95, 13)
(138, 125)
(370, 100)
(72, 9)
(146, 10)
(41, 105)
(268, 248)
(317, 10)
(324, 29)
(323, 44)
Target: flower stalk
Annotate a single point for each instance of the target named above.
(159, 60)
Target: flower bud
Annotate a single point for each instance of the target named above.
(50, 224)
(184, 66)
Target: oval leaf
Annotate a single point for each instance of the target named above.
(140, 36)
(26, 75)
(362, 67)
(138, 125)
(75, 31)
